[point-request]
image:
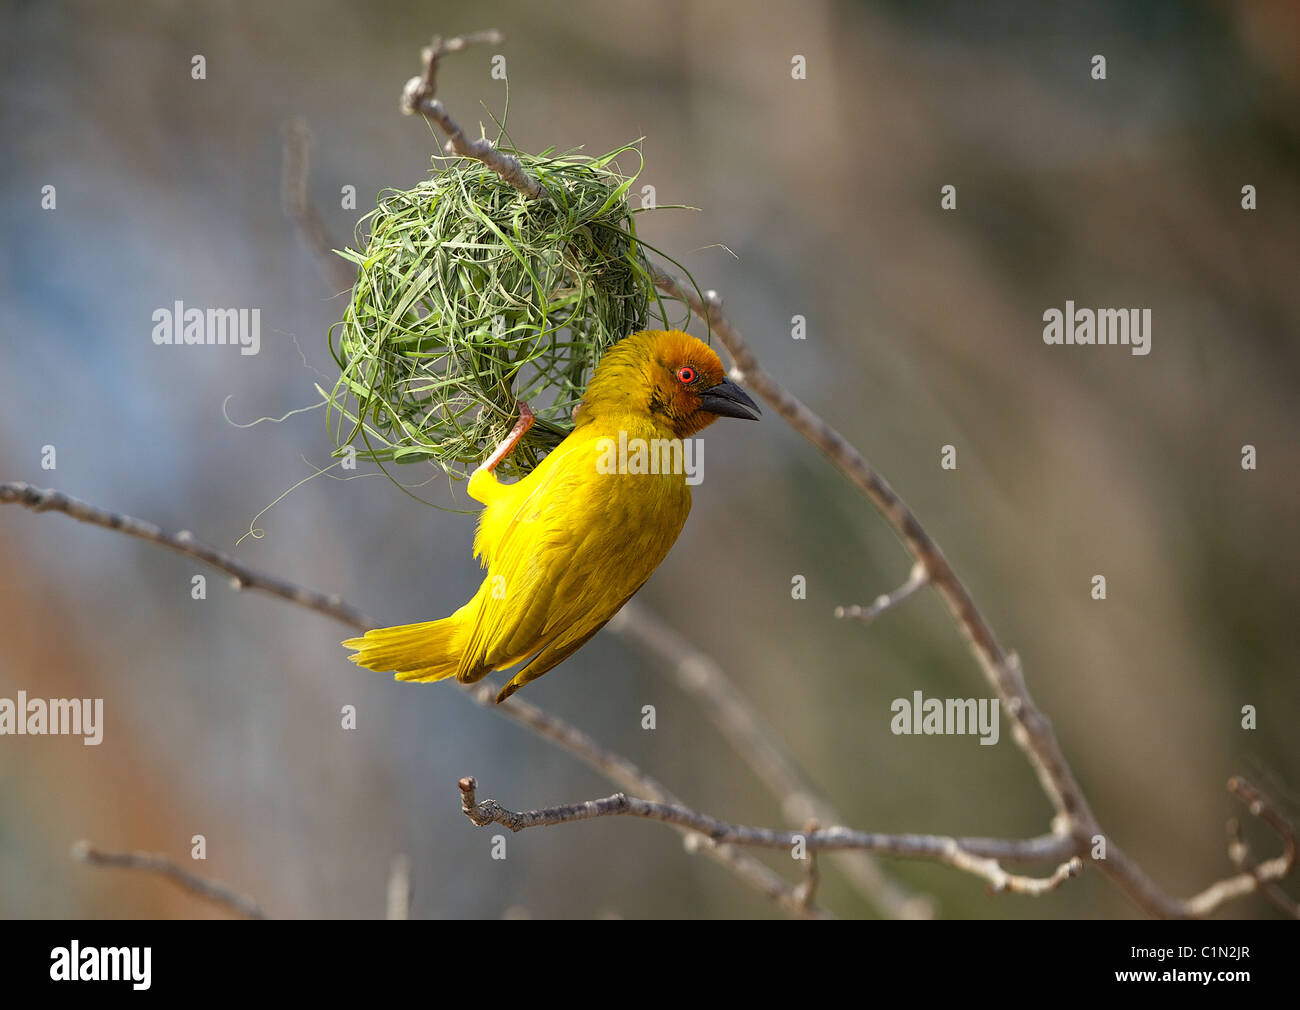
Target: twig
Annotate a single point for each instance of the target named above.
(1260, 876)
(1000, 881)
(618, 769)
(210, 890)
(703, 679)
(1240, 854)
(1042, 848)
(1032, 730)
(302, 211)
(918, 578)
(978, 856)
(1038, 740)
(623, 772)
(418, 96)
(242, 577)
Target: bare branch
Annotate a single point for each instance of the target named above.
(618, 769)
(703, 679)
(1038, 741)
(1240, 854)
(978, 856)
(614, 767)
(242, 577)
(1258, 877)
(624, 772)
(418, 96)
(918, 578)
(210, 890)
(1001, 882)
(1032, 730)
(299, 208)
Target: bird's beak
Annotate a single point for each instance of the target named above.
(726, 399)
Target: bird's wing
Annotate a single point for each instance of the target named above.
(564, 552)
(560, 649)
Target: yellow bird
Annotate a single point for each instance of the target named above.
(569, 544)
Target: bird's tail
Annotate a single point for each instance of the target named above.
(427, 651)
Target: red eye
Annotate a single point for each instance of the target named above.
(686, 375)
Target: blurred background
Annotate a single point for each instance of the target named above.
(222, 716)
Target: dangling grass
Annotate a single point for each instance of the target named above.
(470, 297)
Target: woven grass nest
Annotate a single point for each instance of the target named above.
(470, 297)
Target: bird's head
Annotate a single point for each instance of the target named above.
(670, 376)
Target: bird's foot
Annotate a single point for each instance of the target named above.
(526, 419)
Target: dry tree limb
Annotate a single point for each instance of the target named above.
(1002, 667)
(1032, 730)
(938, 848)
(1240, 854)
(241, 576)
(703, 679)
(977, 856)
(620, 770)
(418, 96)
(1258, 877)
(210, 890)
(300, 209)
(1034, 734)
